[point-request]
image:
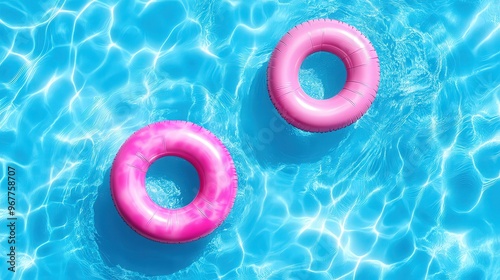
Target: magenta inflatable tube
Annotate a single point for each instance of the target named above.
(215, 167)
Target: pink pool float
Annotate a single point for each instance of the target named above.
(215, 167)
(360, 89)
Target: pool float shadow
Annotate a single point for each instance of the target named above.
(121, 245)
(273, 141)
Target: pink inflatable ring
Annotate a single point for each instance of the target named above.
(218, 181)
(359, 58)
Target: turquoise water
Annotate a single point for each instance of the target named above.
(410, 191)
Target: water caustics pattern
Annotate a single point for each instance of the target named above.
(410, 191)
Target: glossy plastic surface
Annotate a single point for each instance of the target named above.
(359, 58)
(218, 181)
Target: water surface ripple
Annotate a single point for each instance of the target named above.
(410, 191)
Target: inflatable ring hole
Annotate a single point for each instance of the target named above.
(172, 182)
(322, 75)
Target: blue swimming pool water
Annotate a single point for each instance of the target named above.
(410, 191)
